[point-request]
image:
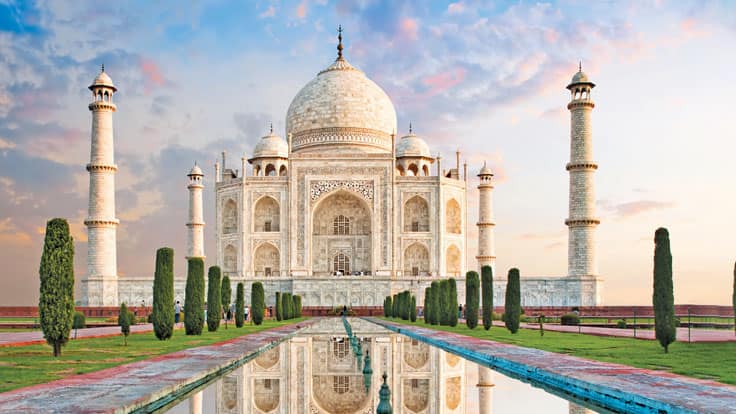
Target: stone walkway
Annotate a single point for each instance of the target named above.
(696, 335)
(36, 337)
(145, 385)
(612, 386)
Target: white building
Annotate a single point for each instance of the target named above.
(345, 212)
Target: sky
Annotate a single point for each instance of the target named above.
(197, 78)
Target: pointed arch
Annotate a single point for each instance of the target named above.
(416, 260)
(230, 216)
(453, 217)
(414, 169)
(425, 170)
(267, 215)
(266, 259)
(230, 259)
(282, 171)
(452, 261)
(270, 170)
(416, 214)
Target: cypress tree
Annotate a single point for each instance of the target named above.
(663, 296)
(512, 310)
(286, 306)
(413, 309)
(257, 302)
(56, 300)
(427, 295)
(163, 294)
(387, 306)
(239, 305)
(226, 297)
(434, 301)
(124, 319)
(444, 296)
(395, 306)
(214, 307)
(194, 297)
(405, 305)
(486, 274)
(279, 301)
(453, 315)
(298, 305)
(472, 299)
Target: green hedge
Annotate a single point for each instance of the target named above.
(512, 312)
(257, 302)
(663, 297)
(162, 316)
(214, 295)
(487, 292)
(239, 305)
(124, 320)
(279, 307)
(194, 297)
(56, 300)
(413, 309)
(472, 299)
(435, 305)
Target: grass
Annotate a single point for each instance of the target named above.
(30, 319)
(714, 361)
(34, 364)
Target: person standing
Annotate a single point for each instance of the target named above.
(177, 312)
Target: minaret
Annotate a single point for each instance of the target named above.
(100, 285)
(582, 221)
(486, 249)
(195, 226)
(485, 390)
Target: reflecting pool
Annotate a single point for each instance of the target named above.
(324, 370)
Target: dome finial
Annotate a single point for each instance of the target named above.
(103, 67)
(410, 127)
(271, 128)
(580, 66)
(339, 42)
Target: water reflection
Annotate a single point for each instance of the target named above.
(318, 372)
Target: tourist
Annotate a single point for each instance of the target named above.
(177, 312)
(245, 318)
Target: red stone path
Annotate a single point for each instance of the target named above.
(36, 337)
(621, 387)
(696, 335)
(136, 385)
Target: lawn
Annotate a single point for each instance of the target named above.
(716, 361)
(34, 364)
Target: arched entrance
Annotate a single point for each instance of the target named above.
(341, 235)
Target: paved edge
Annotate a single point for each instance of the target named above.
(46, 397)
(604, 396)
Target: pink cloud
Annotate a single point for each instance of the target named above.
(301, 10)
(692, 28)
(633, 208)
(151, 74)
(456, 8)
(409, 28)
(443, 81)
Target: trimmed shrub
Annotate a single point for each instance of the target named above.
(80, 321)
(413, 309)
(570, 319)
(162, 316)
(395, 306)
(454, 308)
(435, 302)
(513, 301)
(486, 274)
(226, 297)
(124, 319)
(663, 297)
(194, 297)
(427, 295)
(213, 299)
(239, 305)
(56, 300)
(387, 306)
(286, 306)
(279, 305)
(257, 302)
(621, 324)
(298, 305)
(472, 299)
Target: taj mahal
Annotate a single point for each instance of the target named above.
(340, 209)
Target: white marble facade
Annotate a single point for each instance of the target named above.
(342, 211)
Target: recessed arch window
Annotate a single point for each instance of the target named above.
(341, 225)
(341, 263)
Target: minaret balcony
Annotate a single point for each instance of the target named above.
(581, 166)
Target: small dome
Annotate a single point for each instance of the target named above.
(580, 77)
(412, 146)
(271, 146)
(195, 170)
(485, 170)
(103, 80)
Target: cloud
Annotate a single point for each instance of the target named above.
(409, 28)
(269, 12)
(443, 81)
(152, 76)
(456, 8)
(11, 235)
(634, 208)
(301, 10)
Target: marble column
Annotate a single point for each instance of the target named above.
(195, 403)
(485, 390)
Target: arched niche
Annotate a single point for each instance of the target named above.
(267, 215)
(416, 260)
(230, 217)
(416, 215)
(453, 217)
(266, 260)
(452, 261)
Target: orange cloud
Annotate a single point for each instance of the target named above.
(301, 10)
(443, 81)
(151, 74)
(409, 28)
(634, 208)
(11, 235)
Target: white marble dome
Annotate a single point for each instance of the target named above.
(103, 80)
(412, 146)
(580, 77)
(271, 146)
(341, 107)
(195, 170)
